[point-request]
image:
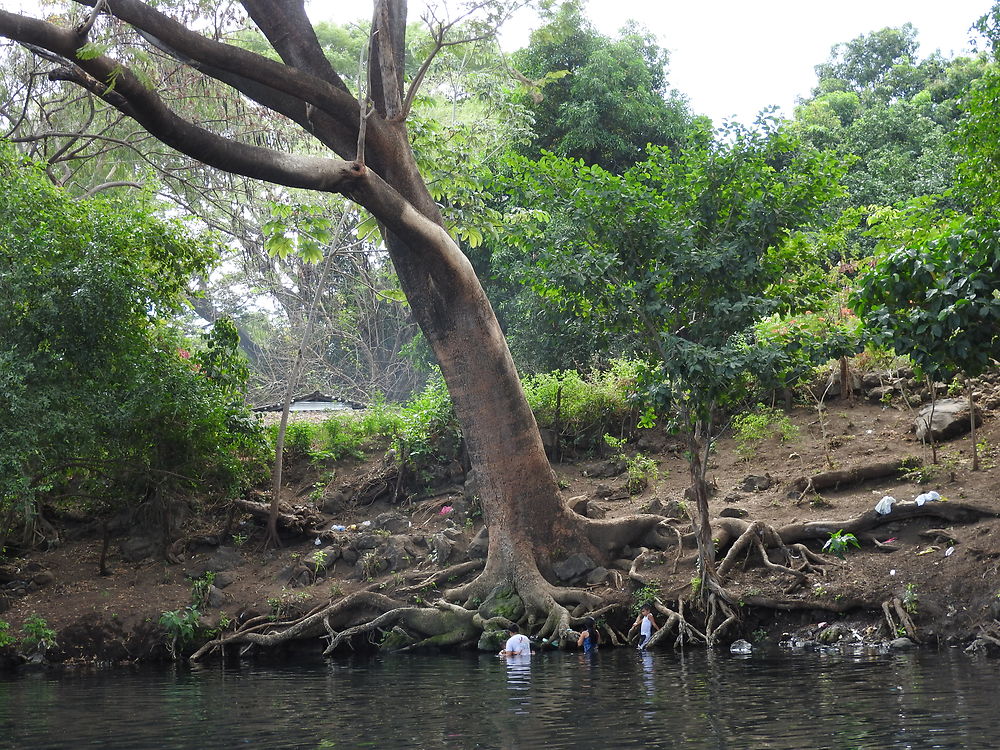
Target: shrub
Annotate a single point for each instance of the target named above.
(100, 397)
(752, 428)
(585, 407)
(38, 636)
(840, 542)
(300, 437)
(182, 626)
(640, 469)
(6, 639)
(428, 430)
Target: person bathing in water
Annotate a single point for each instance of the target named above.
(517, 645)
(589, 638)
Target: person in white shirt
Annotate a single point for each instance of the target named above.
(517, 645)
(646, 625)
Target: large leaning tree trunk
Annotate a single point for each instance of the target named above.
(526, 517)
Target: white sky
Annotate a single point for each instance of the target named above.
(734, 57)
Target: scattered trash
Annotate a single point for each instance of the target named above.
(949, 552)
(928, 550)
(892, 572)
(338, 527)
(884, 506)
(446, 509)
(318, 541)
(927, 497)
(366, 524)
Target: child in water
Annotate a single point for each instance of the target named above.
(646, 625)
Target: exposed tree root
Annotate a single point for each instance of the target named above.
(439, 577)
(839, 606)
(855, 475)
(299, 519)
(676, 623)
(644, 556)
(905, 622)
(554, 613)
(611, 535)
(728, 530)
(989, 635)
(904, 511)
(312, 624)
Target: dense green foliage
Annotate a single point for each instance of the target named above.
(670, 255)
(935, 296)
(934, 291)
(594, 98)
(99, 398)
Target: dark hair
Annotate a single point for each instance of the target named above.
(647, 606)
(513, 627)
(592, 632)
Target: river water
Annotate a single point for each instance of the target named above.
(616, 699)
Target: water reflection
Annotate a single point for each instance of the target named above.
(613, 699)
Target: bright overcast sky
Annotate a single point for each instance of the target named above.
(734, 57)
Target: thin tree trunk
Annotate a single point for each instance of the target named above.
(272, 539)
(930, 419)
(699, 444)
(846, 387)
(972, 424)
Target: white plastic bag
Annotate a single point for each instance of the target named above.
(884, 506)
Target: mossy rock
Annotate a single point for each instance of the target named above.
(502, 602)
(492, 640)
(396, 639)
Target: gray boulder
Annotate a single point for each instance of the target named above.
(394, 523)
(597, 576)
(400, 552)
(734, 513)
(136, 548)
(224, 558)
(215, 597)
(441, 546)
(480, 544)
(573, 566)
(951, 419)
(224, 579)
(756, 483)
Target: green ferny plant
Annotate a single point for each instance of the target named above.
(840, 542)
(38, 636)
(181, 626)
(644, 595)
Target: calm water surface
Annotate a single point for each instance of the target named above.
(618, 699)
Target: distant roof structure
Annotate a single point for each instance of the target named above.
(315, 401)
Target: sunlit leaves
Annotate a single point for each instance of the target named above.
(300, 229)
